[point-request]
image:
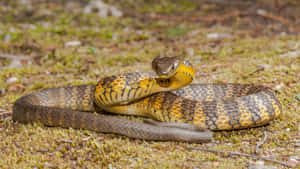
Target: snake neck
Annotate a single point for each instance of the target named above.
(184, 76)
(123, 89)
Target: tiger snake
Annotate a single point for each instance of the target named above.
(186, 112)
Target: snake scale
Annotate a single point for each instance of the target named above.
(184, 110)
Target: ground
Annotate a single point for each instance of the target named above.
(49, 44)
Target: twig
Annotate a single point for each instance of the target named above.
(261, 68)
(271, 16)
(65, 141)
(86, 139)
(42, 151)
(259, 144)
(228, 2)
(186, 18)
(240, 154)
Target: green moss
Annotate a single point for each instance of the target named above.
(169, 7)
(176, 31)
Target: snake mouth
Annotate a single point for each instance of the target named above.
(165, 83)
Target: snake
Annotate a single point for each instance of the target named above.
(181, 111)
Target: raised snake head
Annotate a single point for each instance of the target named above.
(165, 67)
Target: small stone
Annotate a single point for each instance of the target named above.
(7, 38)
(261, 167)
(283, 34)
(2, 91)
(46, 24)
(72, 43)
(298, 96)
(194, 33)
(261, 163)
(260, 12)
(103, 13)
(31, 26)
(217, 35)
(265, 66)
(290, 54)
(11, 29)
(216, 164)
(292, 162)
(102, 9)
(288, 129)
(24, 2)
(115, 36)
(295, 157)
(15, 63)
(115, 12)
(11, 80)
(278, 87)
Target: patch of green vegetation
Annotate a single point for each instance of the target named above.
(298, 96)
(168, 7)
(123, 60)
(176, 31)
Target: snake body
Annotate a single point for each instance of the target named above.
(209, 106)
(72, 107)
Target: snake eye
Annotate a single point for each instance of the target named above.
(175, 65)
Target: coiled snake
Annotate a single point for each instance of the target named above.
(187, 110)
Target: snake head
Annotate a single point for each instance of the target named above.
(173, 72)
(165, 67)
